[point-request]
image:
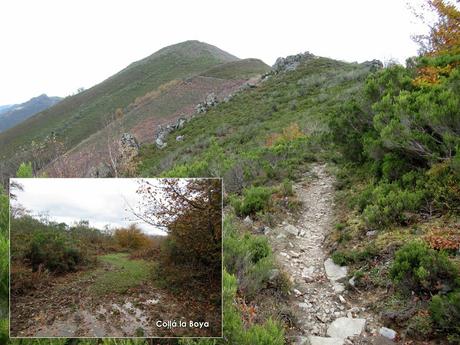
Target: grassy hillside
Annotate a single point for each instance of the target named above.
(242, 126)
(77, 117)
(176, 98)
(241, 69)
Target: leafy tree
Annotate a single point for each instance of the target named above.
(444, 34)
(190, 211)
(131, 238)
(25, 170)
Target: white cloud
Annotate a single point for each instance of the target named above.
(55, 47)
(100, 201)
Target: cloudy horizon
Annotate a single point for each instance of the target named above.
(101, 202)
(56, 47)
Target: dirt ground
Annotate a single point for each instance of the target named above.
(72, 307)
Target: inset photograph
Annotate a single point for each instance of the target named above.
(115, 257)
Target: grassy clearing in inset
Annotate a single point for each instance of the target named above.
(125, 274)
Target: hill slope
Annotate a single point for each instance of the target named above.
(15, 114)
(77, 117)
(161, 106)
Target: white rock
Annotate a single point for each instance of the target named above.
(342, 299)
(335, 272)
(338, 287)
(247, 221)
(297, 292)
(387, 333)
(303, 305)
(291, 229)
(346, 327)
(152, 301)
(352, 281)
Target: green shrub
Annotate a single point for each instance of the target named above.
(420, 327)
(394, 167)
(270, 333)
(422, 269)
(248, 257)
(287, 188)
(254, 199)
(258, 248)
(445, 313)
(389, 203)
(25, 170)
(3, 269)
(443, 185)
(344, 258)
(4, 331)
(339, 258)
(54, 252)
(4, 208)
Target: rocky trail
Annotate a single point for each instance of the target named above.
(327, 313)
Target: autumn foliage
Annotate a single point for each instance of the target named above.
(190, 210)
(131, 238)
(441, 46)
(444, 35)
(444, 238)
(289, 133)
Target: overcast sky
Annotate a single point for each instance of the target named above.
(100, 201)
(55, 47)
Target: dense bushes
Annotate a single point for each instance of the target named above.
(53, 251)
(248, 257)
(430, 274)
(424, 270)
(388, 203)
(410, 134)
(445, 313)
(56, 247)
(269, 333)
(254, 199)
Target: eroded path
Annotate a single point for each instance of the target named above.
(118, 299)
(325, 313)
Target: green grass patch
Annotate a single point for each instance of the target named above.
(125, 274)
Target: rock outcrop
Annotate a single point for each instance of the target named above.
(373, 65)
(209, 102)
(128, 149)
(163, 131)
(291, 62)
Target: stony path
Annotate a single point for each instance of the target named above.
(68, 307)
(325, 316)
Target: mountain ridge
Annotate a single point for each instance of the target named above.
(77, 117)
(13, 115)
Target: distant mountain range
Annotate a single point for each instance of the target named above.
(11, 115)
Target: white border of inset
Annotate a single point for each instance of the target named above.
(130, 337)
